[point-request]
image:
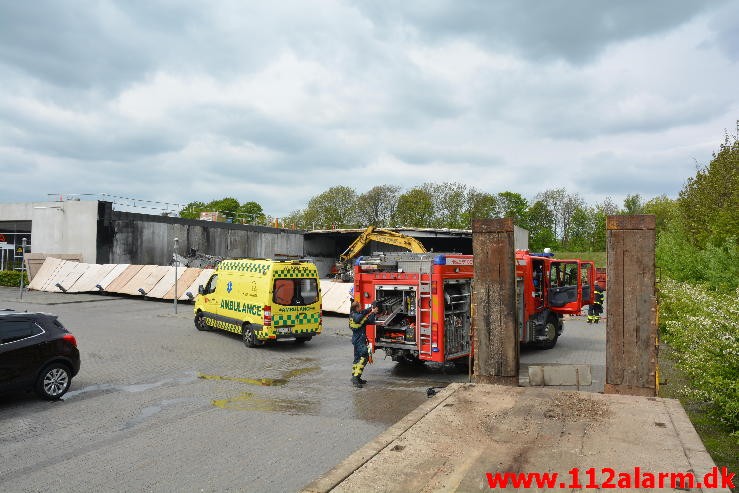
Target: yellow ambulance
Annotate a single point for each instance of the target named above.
(262, 300)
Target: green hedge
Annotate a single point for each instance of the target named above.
(12, 278)
(702, 328)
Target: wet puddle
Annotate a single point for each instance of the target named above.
(263, 382)
(247, 401)
(141, 387)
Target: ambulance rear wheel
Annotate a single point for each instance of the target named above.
(200, 322)
(248, 335)
(302, 340)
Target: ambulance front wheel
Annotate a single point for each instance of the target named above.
(200, 322)
(249, 337)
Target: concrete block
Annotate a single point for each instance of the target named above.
(560, 375)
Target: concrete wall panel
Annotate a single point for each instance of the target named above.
(120, 282)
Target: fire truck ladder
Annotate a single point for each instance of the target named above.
(424, 312)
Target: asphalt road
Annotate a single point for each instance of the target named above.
(159, 406)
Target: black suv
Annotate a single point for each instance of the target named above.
(36, 351)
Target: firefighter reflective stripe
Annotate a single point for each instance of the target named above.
(358, 367)
(356, 325)
(292, 319)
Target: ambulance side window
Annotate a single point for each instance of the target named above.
(211, 286)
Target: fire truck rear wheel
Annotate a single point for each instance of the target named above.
(551, 330)
(410, 360)
(248, 335)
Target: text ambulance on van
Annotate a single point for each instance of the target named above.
(262, 300)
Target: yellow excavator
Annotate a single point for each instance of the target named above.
(375, 234)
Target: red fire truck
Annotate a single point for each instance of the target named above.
(425, 299)
(547, 289)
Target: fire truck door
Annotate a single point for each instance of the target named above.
(565, 287)
(587, 273)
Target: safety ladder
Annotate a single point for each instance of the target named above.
(424, 315)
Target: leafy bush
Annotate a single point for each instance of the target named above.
(702, 327)
(12, 278)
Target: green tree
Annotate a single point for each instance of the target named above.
(334, 208)
(664, 209)
(598, 223)
(192, 210)
(540, 226)
(480, 205)
(415, 209)
(709, 202)
(377, 206)
(450, 204)
(511, 204)
(579, 230)
(633, 204)
(251, 213)
(227, 207)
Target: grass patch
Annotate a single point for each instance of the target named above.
(723, 448)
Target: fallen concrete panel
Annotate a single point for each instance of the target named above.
(71, 279)
(34, 261)
(141, 280)
(192, 288)
(466, 434)
(165, 283)
(65, 269)
(91, 278)
(44, 272)
(336, 296)
(111, 276)
(120, 282)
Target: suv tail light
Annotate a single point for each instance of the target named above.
(267, 312)
(70, 338)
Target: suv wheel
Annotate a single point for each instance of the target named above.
(53, 381)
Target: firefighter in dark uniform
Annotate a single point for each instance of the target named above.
(596, 307)
(358, 320)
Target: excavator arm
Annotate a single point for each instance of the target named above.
(382, 236)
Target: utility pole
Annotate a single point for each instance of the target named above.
(174, 257)
(23, 266)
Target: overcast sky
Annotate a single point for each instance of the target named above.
(278, 101)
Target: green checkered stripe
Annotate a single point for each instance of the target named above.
(242, 266)
(293, 319)
(219, 324)
(295, 272)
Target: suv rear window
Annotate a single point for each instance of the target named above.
(15, 330)
(289, 292)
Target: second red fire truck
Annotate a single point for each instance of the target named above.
(425, 301)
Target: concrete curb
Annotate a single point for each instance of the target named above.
(698, 458)
(343, 470)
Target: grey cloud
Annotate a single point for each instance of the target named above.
(572, 30)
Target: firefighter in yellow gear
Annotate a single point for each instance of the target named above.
(596, 307)
(358, 320)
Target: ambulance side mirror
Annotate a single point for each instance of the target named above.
(201, 290)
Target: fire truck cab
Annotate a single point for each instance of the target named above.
(547, 289)
(424, 301)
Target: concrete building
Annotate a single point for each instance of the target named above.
(92, 232)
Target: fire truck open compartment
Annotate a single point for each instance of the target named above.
(424, 304)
